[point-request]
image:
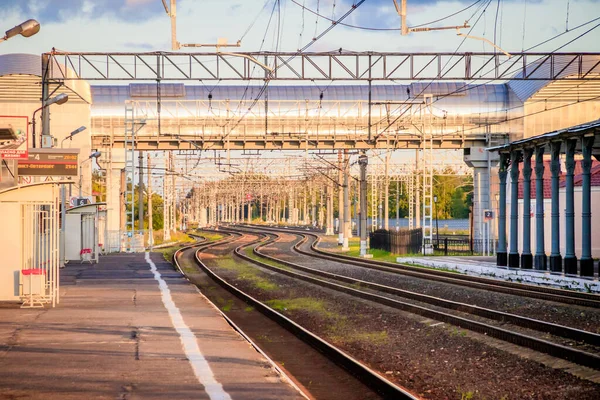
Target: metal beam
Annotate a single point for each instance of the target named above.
(322, 66)
(289, 141)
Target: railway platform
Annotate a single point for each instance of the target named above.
(130, 327)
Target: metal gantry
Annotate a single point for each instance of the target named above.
(318, 66)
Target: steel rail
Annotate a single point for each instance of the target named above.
(556, 350)
(519, 289)
(525, 322)
(369, 377)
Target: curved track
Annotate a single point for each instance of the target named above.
(462, 317)
(350, 387)
(309, 247)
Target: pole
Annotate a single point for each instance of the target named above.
(80, 178)
(362, 162)
(63, 216)
(150, 230)
(386, 187)
(141, 192)
(340, 199)
(347, 227)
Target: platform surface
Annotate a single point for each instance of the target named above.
(116, 334)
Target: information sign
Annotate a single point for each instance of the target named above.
(49, 162)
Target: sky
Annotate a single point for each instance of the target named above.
(143, 25)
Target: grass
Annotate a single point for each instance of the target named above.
(343, 331)
(300, 303)
(250, 254)
(210, 236)
(247, 273)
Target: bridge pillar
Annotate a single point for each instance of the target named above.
(570, 257)
(586, 263)
(555, 257)
(513, 255)
(482, 162)
(540, 252)
(526, 257)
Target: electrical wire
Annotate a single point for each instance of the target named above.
(468, 85)
(255, 19)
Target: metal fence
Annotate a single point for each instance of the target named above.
(405, 241)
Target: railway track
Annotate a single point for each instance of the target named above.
(461, 313)
(366, 379)
(520, 289)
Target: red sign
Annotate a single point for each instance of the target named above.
(248, 196)
(14, 136)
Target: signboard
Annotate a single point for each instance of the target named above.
(14, 134)
(488, 215)
(80, 201)
(49, 162)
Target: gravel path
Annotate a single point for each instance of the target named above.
(584, 318)
(436, 361)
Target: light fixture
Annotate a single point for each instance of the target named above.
(70, 136)
(59, 99)
(26, 29)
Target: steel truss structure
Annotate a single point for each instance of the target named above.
(322, 66)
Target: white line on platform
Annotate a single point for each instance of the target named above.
(199, 364)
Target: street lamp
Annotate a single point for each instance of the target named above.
(59, 99)
(437, 230)
(95, 154)
(26, 29)
(70, 136)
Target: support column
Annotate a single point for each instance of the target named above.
(340, 199)
(570, 257)
(513, 255)
(501, 255)
(362, 162)
(386, 195)
(526, 257)
(586, 263)
(141, 192)
(347, 228)
(329, 210)
(555, 257)
(540, 252)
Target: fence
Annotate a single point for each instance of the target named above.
(403, 241)
(407, 241)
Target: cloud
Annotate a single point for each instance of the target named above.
(61, 10)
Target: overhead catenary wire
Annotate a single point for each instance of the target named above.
(467, 87)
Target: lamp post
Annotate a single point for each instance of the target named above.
(59, 99)
(95, 154)
(26, 29)
(70, 136)
(437, 231)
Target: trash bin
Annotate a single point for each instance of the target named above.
(33, 287)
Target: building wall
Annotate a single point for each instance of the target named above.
(539, 122)
(20, 97)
